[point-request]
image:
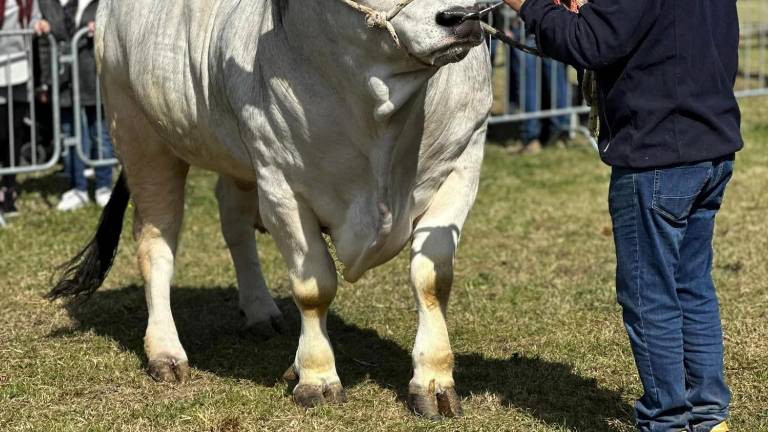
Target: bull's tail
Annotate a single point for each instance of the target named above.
(84, 274)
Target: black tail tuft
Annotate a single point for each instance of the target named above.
(83, 275)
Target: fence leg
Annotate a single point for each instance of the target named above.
(2, 221)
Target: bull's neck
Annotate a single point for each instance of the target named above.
(360, 64)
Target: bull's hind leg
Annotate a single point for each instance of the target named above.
(238, 211)
(157, 187)
(156, 179)
(313, 278)
(436, 236)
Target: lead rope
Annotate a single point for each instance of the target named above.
(589, 82)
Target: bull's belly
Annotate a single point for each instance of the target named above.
(215, 157)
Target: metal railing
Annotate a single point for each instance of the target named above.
(28, 156)
(76, 140)
(60, 143)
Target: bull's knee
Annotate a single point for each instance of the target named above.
(315, 293)
(432, 278)
(152, 249)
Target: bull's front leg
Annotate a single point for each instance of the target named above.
(296, 231)
(432, 390)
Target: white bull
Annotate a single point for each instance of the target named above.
(315, 123)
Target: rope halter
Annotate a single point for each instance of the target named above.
(380, 19)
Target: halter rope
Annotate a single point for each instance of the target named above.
(380, 19)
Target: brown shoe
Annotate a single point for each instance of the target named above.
(533, 147)
(722, 427)
(513, 147)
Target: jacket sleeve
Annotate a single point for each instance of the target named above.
(89, 14)
(603, 32)
(35, 16)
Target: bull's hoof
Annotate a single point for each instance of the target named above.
(266, 329)
(169, 370)
(309, 396)
(432, 404)
(335, 394)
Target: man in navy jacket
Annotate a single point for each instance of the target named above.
(670, 126)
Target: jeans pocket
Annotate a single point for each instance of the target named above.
(675, 190)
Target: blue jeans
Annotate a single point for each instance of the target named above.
(663, 223)
(73, 165)
(551, 72)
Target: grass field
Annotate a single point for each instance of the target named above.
(534, 324)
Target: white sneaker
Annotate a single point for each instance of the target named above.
(73, 199)
(103, 194)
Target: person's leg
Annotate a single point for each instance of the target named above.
(529, 86)
(648, 229)
(9, 191)
(560, 80)
(8, 182)
(5, 145)
(73, 165)
(708, 394)
(100, 149)
(77, 196)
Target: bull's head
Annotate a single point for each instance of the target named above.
(426, 35)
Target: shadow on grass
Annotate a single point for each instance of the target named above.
(209, 327)
(50, 186)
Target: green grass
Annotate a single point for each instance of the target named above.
(534, 324)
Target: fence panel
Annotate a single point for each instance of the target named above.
(753, 49)
(101, 155)
(23, 150)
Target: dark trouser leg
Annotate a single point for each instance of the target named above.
(6, 158)
(101, 146)
(73, 165)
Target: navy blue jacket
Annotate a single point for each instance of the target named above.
(665, 73)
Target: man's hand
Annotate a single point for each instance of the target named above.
(515, 4)
(91, 27)
(42, 27)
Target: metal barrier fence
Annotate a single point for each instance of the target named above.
(18, 110)
(30, 152)
(101, 158)
(529, 89)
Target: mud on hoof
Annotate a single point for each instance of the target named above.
(309, 396)
(434, 404)
(266, 329)
(169, 370)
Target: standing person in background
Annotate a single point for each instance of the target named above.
(14, 78)
(542, 82)
(65, 18)
(670, 126)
